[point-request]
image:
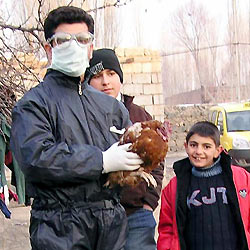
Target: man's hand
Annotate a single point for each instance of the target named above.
(118, 158)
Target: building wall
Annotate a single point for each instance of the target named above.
(142, 78)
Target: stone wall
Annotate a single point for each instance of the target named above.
(142, 78)
(181, 119)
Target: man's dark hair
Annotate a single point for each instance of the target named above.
(205, 129)
(66, 14)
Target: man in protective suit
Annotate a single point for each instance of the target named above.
(62, 140)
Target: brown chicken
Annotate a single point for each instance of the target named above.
(150, 141)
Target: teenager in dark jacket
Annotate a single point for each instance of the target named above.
(105, 74)
(207, 205)
(62, 141)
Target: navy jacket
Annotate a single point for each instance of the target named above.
(58, 135)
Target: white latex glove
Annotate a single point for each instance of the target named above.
(118, 158)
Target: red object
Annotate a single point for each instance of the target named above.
(13, 196)
(8, 158)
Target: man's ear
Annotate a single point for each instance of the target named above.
(48, 50)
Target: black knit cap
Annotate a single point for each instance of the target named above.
(103, 59)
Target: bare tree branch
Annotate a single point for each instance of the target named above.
(190, 26)
(21, 41)
(117, 3)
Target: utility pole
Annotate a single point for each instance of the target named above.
(236, 51)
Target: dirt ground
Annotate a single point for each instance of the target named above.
(14, 232)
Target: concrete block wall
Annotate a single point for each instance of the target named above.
(142, 78)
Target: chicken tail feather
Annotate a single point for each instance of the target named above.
(149, 179)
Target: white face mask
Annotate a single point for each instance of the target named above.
(70, 59)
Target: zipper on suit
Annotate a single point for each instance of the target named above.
(79, 88)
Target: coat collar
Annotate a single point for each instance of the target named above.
(128, 100)
(62, 79)
(183, 167)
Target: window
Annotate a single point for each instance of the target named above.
(213, 117)
(238, 121)
(220, 122)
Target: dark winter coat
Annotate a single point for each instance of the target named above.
(134, 198)
(174, 204)
(58, 137)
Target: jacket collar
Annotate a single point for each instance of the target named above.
(128, 100)
(62, 79)
(183, 167)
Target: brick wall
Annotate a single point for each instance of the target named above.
(142, 78)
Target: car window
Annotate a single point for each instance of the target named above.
(220, 122)
(213, 117)
(238, 121)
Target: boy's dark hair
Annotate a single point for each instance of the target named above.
(205, 129)
(66, 14)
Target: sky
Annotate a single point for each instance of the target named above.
(155, 16)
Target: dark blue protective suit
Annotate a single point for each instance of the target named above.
(58, 135)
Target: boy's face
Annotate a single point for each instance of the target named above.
(107, 81)
(202, 151)
(70, 28)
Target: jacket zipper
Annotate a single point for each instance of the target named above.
(86, 113)
(79, 88)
